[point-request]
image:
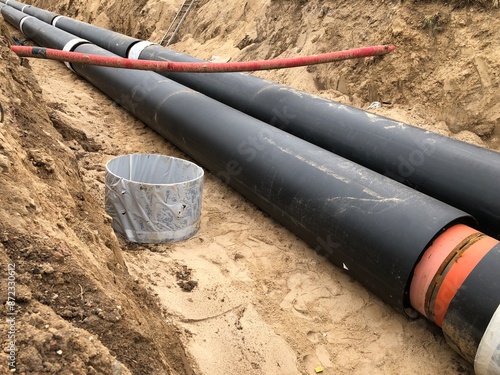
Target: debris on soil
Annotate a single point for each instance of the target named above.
(184, 280)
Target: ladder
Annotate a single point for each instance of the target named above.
(177, 21)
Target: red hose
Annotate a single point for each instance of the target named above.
(199, 67)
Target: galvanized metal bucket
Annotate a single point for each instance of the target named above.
(154, 198)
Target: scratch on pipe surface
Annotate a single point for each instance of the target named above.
(311, 163)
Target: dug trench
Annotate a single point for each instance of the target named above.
(243, 295)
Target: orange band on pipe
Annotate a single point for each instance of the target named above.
(431, 263)
(459, 270)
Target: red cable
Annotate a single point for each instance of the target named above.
(199, 67)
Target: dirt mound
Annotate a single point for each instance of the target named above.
(244, 295)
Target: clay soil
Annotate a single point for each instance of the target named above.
(244, 295)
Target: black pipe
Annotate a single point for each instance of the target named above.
(455, 172)
(375, 227)
(113, 41)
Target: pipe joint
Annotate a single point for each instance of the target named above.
(54, 21)
(137, 48)
(70, 47)
(21, 23)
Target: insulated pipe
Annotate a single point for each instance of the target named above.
(201, 67)
(371, 226)
(114, 41)
(455, 172)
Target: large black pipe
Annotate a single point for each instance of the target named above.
(374, 227)
(367, 223)
(455, 172)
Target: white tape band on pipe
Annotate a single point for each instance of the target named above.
(22, 22)
(136, 49)
(70, 46)
(54, 21)
(24, 7)
(487, 361)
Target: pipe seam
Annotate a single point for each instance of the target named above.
(137, 48)
(70, 46)
(54, 21)
(452, 278)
